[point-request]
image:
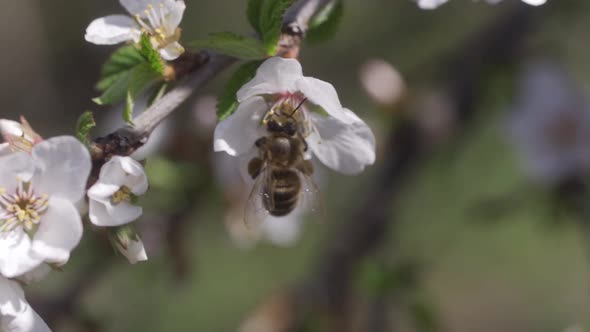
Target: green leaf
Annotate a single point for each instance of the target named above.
(271, 22)
(157, 93)
(141, 78)
(116, 91)
(128, 111)
(129, 69)
(134, 81)
(325, 24)
(228, 102)
(85, 124)
(229, 43)
(151, 55)
(123, 60)
(253, 12)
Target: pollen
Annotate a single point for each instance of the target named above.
(155, 23)
(23, 208)
(124, 194)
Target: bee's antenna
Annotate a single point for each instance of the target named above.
(298, 106)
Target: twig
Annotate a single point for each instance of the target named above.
(128, 139)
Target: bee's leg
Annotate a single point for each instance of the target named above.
(304, 142)
(305, 167)
(261, 142)
(254, 167)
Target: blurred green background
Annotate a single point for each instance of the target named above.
(522, 268)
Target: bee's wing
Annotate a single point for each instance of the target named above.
(311, 200)
(255, 211)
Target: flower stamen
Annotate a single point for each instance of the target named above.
(24, 208)
(153, 22)
(124, 194)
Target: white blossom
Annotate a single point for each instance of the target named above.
(17, 136)
(335, 135)
(158, 18)
(382, 82)
(430, 4)
(550, 124)
(16, 315)
(134, 252)
(38, 219)
(111, 198)
(433, 4)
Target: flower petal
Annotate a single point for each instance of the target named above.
(118, 172)
(534, 2)
(9, 127)
(15, 254)
(63, 165)
(37, 274)
(15, 166)
(135, 7)
(172, 51)
(175, 10)
(111, 30)
(283, 231)
(430, 4)
(346, 148)
(106, 214)
(5, 149)
(123, 213)
(16, 315)
(275, 75)
(102, 191)
(98, 215)
(324, 95)
(135, 252)
(59, 232)
(238, 133)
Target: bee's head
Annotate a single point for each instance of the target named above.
(289, 128)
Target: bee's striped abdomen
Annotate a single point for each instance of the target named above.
(284, 191)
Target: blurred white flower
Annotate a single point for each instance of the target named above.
(16, 315)
(335, 135)
(433, 4)
(283, 232)
(38, 220)
(121, 180)
(10, 128)
(535, 2)
(430, 4)
(160, 19)
(382, 82)
(17, 136)
(550, 124)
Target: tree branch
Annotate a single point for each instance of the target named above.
(128, 139)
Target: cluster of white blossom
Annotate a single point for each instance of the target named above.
(433, 4)
(48, 186)
(42, 197)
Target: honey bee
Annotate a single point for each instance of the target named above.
(282, 175)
